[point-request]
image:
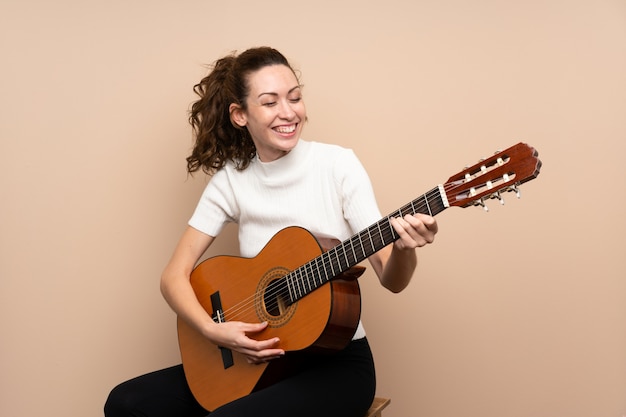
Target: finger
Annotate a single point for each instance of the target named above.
(264, 356)
(266, 344)
(429, 221)
(409, 227)
(257, 361)
(257, 345)
(413, 232)
(405, 233)
(424, 227)
(254, 327)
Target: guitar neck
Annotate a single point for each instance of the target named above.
(359, 247)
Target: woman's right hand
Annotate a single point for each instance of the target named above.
(234, 335)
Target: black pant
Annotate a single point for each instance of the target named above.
(342, 384)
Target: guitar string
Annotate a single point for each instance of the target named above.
(387, 228)
(274, 291)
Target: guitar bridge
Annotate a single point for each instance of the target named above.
(218, 317)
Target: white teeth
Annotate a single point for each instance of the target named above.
(285, 129)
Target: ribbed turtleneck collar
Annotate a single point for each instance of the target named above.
(283, 168)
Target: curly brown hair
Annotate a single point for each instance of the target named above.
(217, 139)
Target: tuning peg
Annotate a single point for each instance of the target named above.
(514, 189)
(481, 203)
(498, 196)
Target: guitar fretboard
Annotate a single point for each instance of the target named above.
(300, 282)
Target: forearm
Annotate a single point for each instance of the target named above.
(399, 269)
(394, 267)
(175, 280)
(181, 298)
(396, 264)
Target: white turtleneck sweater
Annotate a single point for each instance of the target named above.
(323, 188)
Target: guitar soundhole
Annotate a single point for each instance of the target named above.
(272, 301)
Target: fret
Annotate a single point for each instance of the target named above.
(380, 233)
(362, 241)
(321, 271)
(355, 242)
(345, 255)
(353, 251)
(337, 259)
(370, 239)
(341, 256)
(305, 278)
(329, 266)
(357, 249)
(289, 281)
(294, 285)
(332, 268)
(324, 270)
(300, 287)
(374, 231)
(307, 283)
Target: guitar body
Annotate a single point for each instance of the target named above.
(323, 320)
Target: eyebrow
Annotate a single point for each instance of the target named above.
(299, 86)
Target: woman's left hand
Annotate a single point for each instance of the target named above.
(414, 231)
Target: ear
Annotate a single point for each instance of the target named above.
(237, 115)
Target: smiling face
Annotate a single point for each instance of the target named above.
(275, 112)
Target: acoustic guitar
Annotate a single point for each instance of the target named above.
(309, 295)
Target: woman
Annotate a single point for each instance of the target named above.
(248, 123)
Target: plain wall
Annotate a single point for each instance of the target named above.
(520, 311)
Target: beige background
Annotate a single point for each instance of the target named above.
(519, 312)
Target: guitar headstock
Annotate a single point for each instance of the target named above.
(503, 172)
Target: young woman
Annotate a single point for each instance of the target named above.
(248, 124)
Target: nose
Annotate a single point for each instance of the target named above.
(286, 110)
